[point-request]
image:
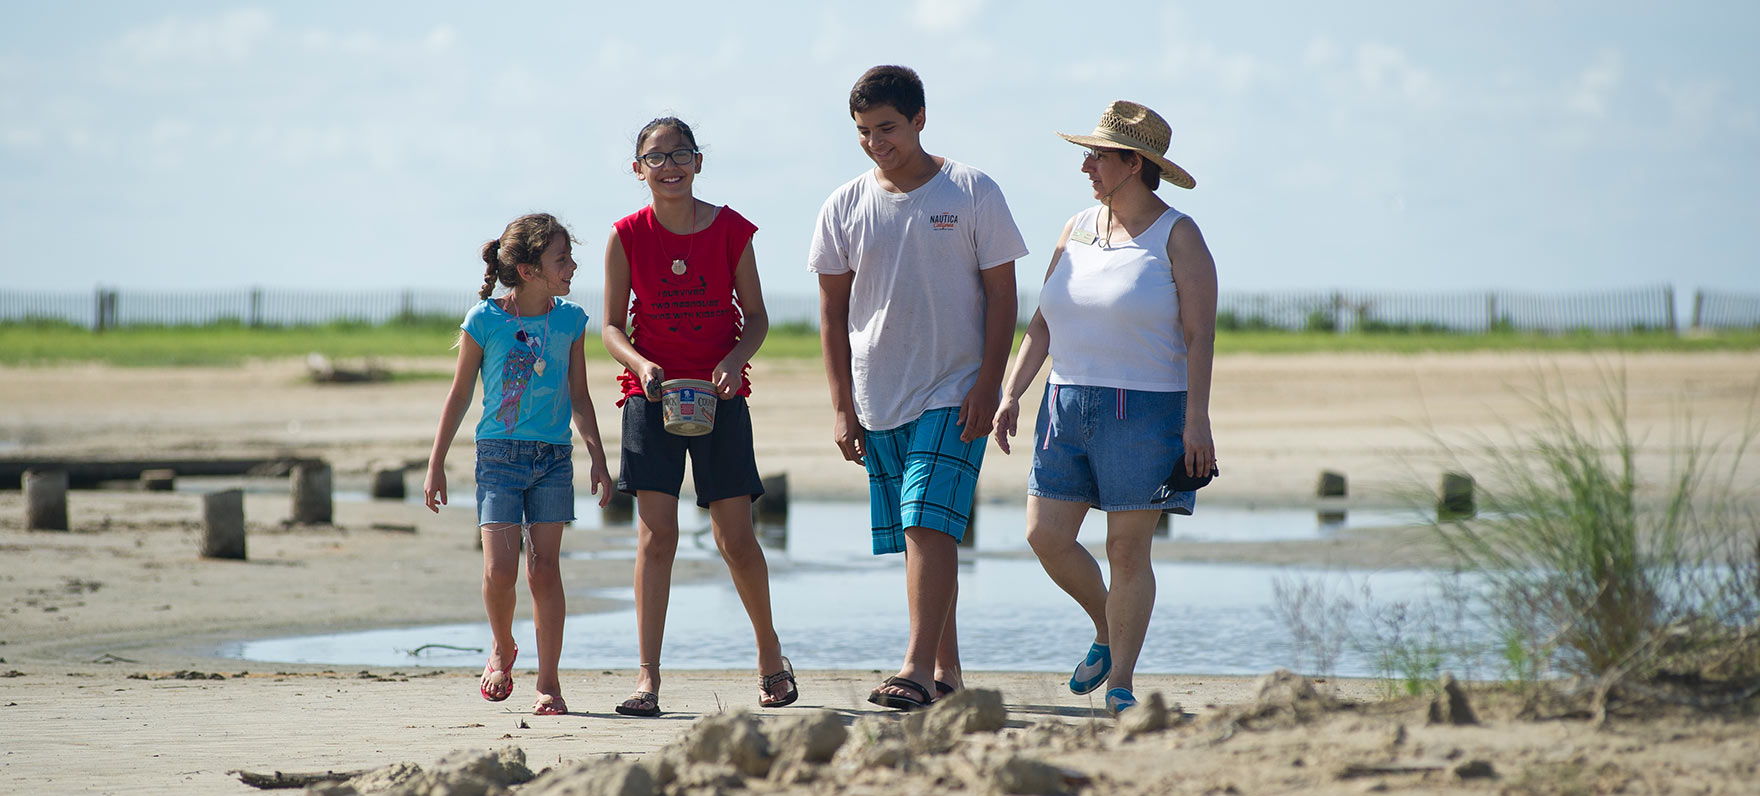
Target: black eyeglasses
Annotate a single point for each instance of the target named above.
(655, 160)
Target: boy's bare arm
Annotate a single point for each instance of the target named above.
(834, 292)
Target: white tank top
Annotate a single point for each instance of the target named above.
(1113, 310)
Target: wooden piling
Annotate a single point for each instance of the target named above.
(771, 508)
(223, 524)
(1456, 501)
(971, 537)
(1332, 484)
(45, 500)
(621, 510)
(388, 483)
(312, 503)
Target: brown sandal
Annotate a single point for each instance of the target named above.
(770, 681)
(641, 703)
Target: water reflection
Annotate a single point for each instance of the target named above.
(836, 606)
(1208, 619)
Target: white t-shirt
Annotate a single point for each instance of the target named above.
(916, 307)
(1113, 310)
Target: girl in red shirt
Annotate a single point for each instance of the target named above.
(697, 313)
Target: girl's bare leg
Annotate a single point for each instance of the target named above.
(549, 603)
(656, 545)
(731, 520)
(501, 543)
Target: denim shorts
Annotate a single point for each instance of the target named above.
(920, 475)
(524, 482)
(1109, 448)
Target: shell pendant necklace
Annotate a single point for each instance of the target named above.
(523, 336)
(680, 264)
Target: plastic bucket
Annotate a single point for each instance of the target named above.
(688, 406)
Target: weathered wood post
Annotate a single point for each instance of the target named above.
(223, 524)
(312, 503)
(1332, 486)
(158, 480)
(1456, 501)
(771, 508)
(45, 500)
(971, 537)
(621, 510)
(770, 511)
(388, 482)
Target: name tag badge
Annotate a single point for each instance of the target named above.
(1081, 236)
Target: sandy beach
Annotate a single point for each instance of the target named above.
(109, 682)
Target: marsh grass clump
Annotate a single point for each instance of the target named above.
(1594, 568)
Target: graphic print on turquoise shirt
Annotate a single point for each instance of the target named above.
(516, 376)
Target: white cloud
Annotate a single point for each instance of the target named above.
(21, 138)
(1384, 69)
(1589, 93)
(1693, 108)
(1321, 52)
(228, 38)
(442, 38)
(945, 16)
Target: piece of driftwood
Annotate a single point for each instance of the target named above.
(1355, 770)
(325, 371)
(286, 780)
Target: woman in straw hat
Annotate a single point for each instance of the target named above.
(1128, 318)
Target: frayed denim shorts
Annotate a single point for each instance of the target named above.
(1109, 448)
(524, 482)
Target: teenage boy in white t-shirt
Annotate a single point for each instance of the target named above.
(917, 312)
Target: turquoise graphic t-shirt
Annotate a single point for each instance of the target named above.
(523, 399)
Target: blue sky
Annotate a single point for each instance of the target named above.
(1543, 146)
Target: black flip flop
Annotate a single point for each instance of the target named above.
(641, 703)
(769, 681)
(898, 701)
(943, 689)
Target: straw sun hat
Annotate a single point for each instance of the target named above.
(1127, 125)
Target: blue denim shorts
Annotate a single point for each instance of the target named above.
(524, 482)
(1109, 448)
(920, 475)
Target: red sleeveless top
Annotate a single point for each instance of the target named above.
(685, 323)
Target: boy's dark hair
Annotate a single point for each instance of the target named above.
(897, 86)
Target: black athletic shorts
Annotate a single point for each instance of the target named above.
(722, 462)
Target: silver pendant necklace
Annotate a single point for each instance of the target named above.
(537, 353)
(680, 264)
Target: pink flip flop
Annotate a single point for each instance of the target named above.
(498, 695)
(549, 706)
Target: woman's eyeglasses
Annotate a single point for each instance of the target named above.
(655, 160)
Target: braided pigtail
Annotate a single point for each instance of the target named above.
(492, 274)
